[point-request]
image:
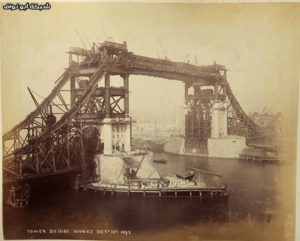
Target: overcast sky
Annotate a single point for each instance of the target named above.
(258, 43)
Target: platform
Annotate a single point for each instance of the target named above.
(206, 193)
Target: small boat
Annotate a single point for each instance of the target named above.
(188, 175)
(161, 161)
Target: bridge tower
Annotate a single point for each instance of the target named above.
(219, 119)
(206, 114)
(116, 127)
(108, 107)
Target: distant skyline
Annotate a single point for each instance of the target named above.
(258, 43)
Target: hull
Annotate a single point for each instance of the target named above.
(205, 193)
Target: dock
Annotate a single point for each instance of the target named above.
(259, 159)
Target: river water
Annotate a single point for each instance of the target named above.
(66, 213)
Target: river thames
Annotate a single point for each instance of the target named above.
(71, 214)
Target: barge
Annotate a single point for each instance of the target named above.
(205, 193)
(135, 175)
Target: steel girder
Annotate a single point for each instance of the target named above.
(39, 144)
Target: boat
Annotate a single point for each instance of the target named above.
(188, 175)
(135, 175)
(161, 161)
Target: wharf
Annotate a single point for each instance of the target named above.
(259, 159)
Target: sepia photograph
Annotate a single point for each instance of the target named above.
(149, 120)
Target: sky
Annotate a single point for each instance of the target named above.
(258, 43)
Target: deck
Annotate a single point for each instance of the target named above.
(206, 193)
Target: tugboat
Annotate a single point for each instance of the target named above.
(134, 174)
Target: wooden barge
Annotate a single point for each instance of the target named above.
(205, 193)
(134, 175)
